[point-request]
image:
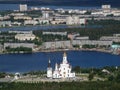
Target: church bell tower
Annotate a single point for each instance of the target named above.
(65, 58)
(49, 70)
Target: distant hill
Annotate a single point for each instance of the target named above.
(114, 3)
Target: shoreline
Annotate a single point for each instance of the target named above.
(57, 50)
(60, 50)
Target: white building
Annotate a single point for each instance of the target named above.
(22, 17)
(82, 21)
(23, 37)
(17, 76)
(15, 45)
(72, 20)
(75, 20)
(30, 22)
(92, 42)
(61, 71)
(5, 23)
(82, 38)
(23, 7)
(57, 44)
(54, 33)
(111, 38)
(21, 32)
(106, 6)
(45, 15)
(43, 21)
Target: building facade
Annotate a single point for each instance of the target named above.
(23, 37)
(23, 7)
(15, 45)
(71, 20)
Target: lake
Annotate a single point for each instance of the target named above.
(16, 7)
(38, 61)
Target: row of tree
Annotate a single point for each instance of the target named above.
(61, 86)
(19, 49)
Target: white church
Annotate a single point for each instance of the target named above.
(61, 71)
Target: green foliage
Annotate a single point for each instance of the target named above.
(103, 22)
(88, 46)
(118, 43)
(18, 49)
(76, 46)
(107, 28)
(53, 37)
(5, 12)
(34, 13)
(76, 69)
(88, 13)
(36, 73)
(118, 77)
(49, 37)
(111, 78)
(2, 75)
(91, 76)
(61, 86)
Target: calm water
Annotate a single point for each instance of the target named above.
(29, 28)
(38, 61)
(16, 7)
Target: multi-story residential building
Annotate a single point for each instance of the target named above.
(15, 45)
(57, 44)
(22, 17)
(75, 20)
(4, 17)
(54, 33)
(16, 23)
(5, 23)
(1, 48)
(30, 22)
(43, 21)
(45, 15)
(116, 35)
(112, 38)
(68, 44)
(23, 7)
(72, 20)
(20, 32)
(106, 6)
(58, 20)
(92, 42)
(82, 38)
(17, 14)
(23, 37)
(73, 35)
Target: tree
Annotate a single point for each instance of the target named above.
(111, 78)
(76, 69)
(91, 76)
(118, 77)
